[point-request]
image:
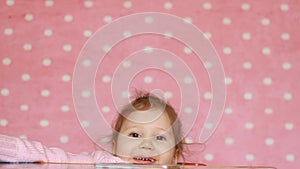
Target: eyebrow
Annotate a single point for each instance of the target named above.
(138, 126)
(129, 127)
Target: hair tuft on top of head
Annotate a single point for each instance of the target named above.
(143, 100)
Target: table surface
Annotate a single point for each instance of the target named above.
(116, 166)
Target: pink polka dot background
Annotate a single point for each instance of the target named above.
(257, 41)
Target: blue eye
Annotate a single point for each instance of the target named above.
(135, 135)
(161, 138)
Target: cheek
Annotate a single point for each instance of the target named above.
(164, 147)
(168, 157)
(125, 146)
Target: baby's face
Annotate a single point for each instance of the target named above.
(146, 138)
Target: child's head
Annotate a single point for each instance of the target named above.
(148, 132)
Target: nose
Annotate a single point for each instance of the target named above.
(146, 144)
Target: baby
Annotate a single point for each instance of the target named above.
(147, 131)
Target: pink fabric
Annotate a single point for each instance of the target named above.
(258, 43)
(19, 150)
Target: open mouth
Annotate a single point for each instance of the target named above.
(144, 160)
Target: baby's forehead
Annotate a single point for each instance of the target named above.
(147, 116)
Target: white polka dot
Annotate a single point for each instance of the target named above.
(228, 110)
(247, 65)
(226, 21)
(148, 49)
(3, 122)
(208, 95)
(285, 36)
(24, 107)
(249, 125)
(209, 157)
(68, 18)
(268, 110)
(85, 93)
(207, 6)
(227, 50)
(64, 139)
(290, 157)
(248, 96)
(148, 79)
(127, 34)
(188, 140)
(10, 2)
(168, 95)
(25, 77)
(127, 64)
(286, 66)
(148, 20)
(188, 20)
(269, 141)
(284, 7)
(267, 81)
(246, 36)
(168, 34)
(85, 123)
(6, 61)
(245, 6)
(207, 35)
(29, 17)
(105, 109)
(228, 80)
(88, 3)
(287, 96)
(289, 126)
(127, 4)
(8, 31)
(249, 157)
(168, 64)
(106, 48)
(207, 65)
(67, 47)
(188, 110)
(23, 136)
(105, 139)
(66, 78)
(87, 63)
(229, 140)
(107, 19)
(125, 94)
(65, 108)
(44, 123)
(187, 50)
(168, 5)
(87, 33)
(47, 62)
(49, 3)
(188, 80)
(266, 51)
(4, 92)
(208, 125)
(265, 21)
(27, 46)
(48, 32)
(45, 93)
(106, 79)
